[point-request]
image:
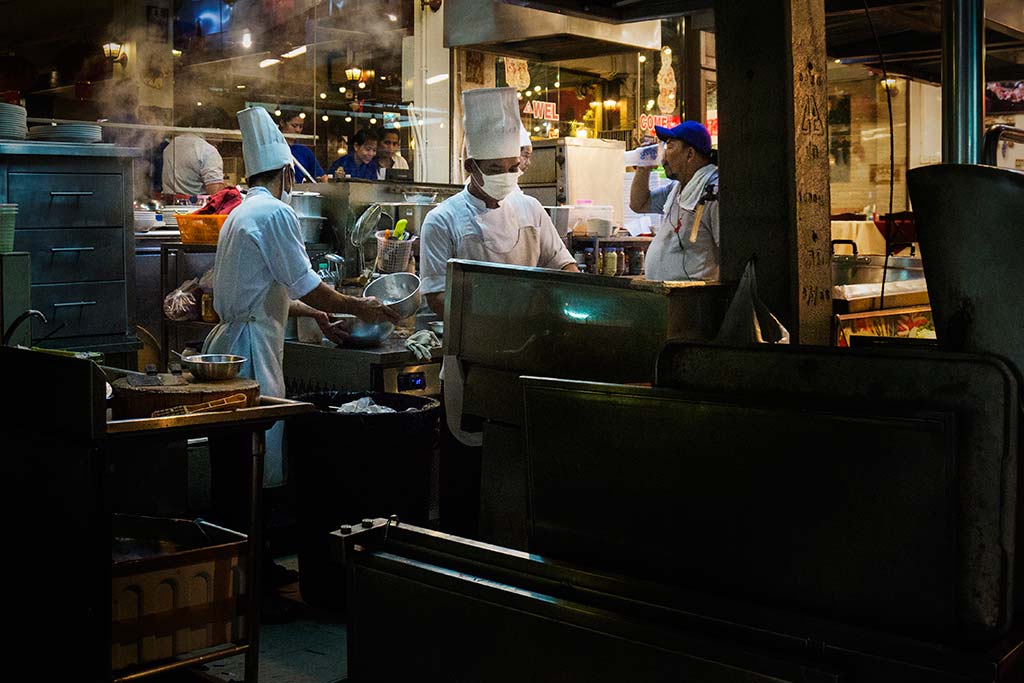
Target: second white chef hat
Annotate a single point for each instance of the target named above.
(263, 146)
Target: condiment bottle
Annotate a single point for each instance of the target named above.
(611, 261)
(206, 308)
(599, 261)
(588, 260)
(636, 262)
(621, 267)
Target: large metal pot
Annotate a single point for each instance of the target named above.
(399, 291)
(858, 269)
(211, 367)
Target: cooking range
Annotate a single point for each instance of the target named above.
(389, 367)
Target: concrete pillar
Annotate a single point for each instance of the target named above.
(772, 109)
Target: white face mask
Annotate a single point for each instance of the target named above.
(499, 185)
(286, 197)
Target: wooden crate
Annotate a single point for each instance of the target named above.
(180, 588)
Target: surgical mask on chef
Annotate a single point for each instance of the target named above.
(286, 196)
(499, 185)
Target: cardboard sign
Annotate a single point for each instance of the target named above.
(547, 111)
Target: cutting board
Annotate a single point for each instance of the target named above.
(133, 402)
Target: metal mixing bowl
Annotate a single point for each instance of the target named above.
(399, 291)
(214, 366)
(362, 334)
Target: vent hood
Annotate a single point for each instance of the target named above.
(493, 26)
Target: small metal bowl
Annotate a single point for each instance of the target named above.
(214, 367)
(362, 335)
(437, 327)
(398, 291)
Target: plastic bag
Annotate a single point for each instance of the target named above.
(206, 281)
(748, 320)
(182, 303)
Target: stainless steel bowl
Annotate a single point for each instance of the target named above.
(214, 367)
(399, 291)
(362, 334)
(437, 327)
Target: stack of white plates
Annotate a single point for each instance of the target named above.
(66, 132)
(12, 122)
(171, 215)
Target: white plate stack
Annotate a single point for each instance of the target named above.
(145, 220)
(12, 122)
(66, 132)
(171, 215)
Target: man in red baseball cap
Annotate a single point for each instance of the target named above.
(686, 244)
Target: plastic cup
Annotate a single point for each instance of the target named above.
(648, 155)
(8, 213)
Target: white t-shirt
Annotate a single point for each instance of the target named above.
(191, 162)
(519, 232)
(672, 256)
(400, 164)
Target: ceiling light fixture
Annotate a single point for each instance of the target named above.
(247, 39)
(323, 96)
(436, 79)
(558, 84)
(302, 115)
(348, 119)
(240, 87)
(277, 112)
(373, 120)
(300, 50)
(324, 117)
(642, 58)
(269, 62)
(176, 53)
(362, 85)
(342, 90)
(391, 17)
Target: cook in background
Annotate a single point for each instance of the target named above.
(292, 124)
(261, 266)
(361, 160)
(388, 153)
(680, 250)
(525, 149)
(487, 221)
(191, 165)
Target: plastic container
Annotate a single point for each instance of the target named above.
(347, 467)
(648, 155)
(200, 228)
(393, 255)
(592, 220)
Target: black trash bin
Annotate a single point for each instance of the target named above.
(347, 467)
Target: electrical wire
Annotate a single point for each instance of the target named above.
(892, 151)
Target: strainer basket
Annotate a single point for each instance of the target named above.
(393, 255)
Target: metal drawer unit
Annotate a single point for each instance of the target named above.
(75, 220)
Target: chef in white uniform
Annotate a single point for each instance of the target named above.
(686, 245)
(262, 268)
(488, 221)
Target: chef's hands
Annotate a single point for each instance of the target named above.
(333, 331)
(370, 309)
(421, 343)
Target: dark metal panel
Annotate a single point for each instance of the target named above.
(73, 255)
(981, 390)
(743, 499)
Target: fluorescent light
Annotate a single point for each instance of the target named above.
(436, 79)
(391, 17)
(300, 50)
(247, 40)
(240, 87)
(269, 62)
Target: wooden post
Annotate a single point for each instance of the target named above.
(772, 108)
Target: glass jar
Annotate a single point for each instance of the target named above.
(611, 261)
(209, 315)
(636, 262)
(588, 260)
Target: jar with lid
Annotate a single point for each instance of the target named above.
(611, 262)
(599, 261)
(207, 311)
(588, 260)
(636, 262)
(622, 266)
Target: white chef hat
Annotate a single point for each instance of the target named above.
(491, 123)
(263, 146)
(524, 136)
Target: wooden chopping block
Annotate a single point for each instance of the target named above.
(135, 402)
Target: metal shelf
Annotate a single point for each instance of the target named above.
(166, 250)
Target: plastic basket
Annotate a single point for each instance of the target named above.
(393, 255)
(200, 228)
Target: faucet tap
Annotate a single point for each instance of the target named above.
(13, 327)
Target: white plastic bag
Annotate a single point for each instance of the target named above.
(182, 303)
(748, 320)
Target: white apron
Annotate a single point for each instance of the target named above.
(490, 242)
(260, 338)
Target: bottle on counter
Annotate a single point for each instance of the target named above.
(207, 311)
(636, 262)
(599, 261)
(611, 261)
(577, 256)
(588, 260)
(621, 267)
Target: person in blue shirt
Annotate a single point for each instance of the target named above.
(361, 160)
(291, 124)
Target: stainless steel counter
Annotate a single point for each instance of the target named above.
(68, 149)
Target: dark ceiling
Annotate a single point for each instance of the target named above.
(910, 32)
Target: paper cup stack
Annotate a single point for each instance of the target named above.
(7, 215)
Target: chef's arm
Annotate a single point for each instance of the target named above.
(640, 190)
(213, 188)
(324, 298)
(297, 309)
(571, 267)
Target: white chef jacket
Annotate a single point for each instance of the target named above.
(519, 233)
(672, 256)
(400, 164)
(191, 162)
(261, 265)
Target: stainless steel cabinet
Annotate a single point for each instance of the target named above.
(75, 220)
